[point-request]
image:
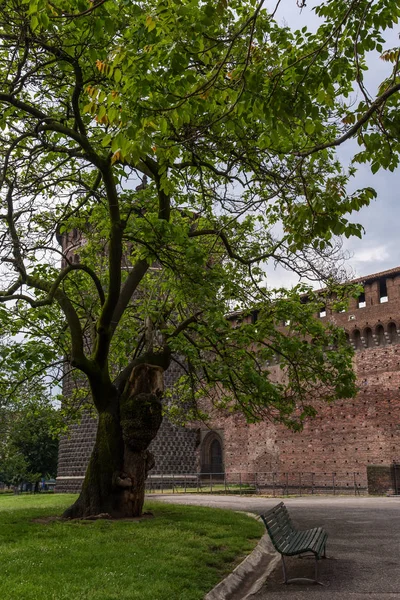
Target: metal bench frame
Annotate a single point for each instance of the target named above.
(288, 541)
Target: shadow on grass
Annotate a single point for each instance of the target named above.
(179, 554)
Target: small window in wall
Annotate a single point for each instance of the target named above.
(383, 297)
(361, 300)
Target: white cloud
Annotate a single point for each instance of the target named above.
(374, 254)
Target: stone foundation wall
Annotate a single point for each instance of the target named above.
(74, 454)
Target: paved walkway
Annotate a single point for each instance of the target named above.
(363, 543)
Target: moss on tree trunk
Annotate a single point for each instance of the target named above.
(120, 461)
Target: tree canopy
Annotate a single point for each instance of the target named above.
(175, 148)
(29, 431)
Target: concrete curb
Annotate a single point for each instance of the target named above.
(248, 577)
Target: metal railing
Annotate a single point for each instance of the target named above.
(296, 483)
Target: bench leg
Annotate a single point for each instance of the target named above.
(300, 579)
(285, 580)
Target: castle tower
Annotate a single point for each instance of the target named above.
(174, 448)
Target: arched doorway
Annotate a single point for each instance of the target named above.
(212, 460)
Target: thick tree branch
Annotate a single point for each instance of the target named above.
(47, 123)
(104, 329)
(78, 356)
(133, 280)
(185, 324)
(159, 359)
(18, 259)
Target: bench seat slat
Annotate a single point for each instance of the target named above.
(289, 541)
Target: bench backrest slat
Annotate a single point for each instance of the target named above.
(279, 526)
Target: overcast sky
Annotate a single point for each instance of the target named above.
(379, 248)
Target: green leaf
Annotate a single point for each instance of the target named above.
(34, 22)
(106, 140)
(309, 127)
(117, 75)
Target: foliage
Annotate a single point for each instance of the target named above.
(29, 444)
(181, 553)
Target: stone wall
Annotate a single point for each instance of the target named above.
(74, 454)
(174, 448)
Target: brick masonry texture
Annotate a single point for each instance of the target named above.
(346, 437)
(380, 479)
(174, 448)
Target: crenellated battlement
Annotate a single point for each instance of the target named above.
(372, 319)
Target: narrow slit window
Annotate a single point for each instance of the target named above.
(361, 300)
(383, 295)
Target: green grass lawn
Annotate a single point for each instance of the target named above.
(179, 554)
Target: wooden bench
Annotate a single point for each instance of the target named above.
(290, 542)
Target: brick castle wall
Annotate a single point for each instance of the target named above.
(344, 438)
(348, 435)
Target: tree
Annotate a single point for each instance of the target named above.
(29, 440)
(233, 120)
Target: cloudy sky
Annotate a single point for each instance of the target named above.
(380, 247)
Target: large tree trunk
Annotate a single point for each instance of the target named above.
(120, 461)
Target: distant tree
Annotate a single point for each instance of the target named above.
(29, 443)
(233, 120)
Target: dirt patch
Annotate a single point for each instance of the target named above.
(47, 520)
(91, 518)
